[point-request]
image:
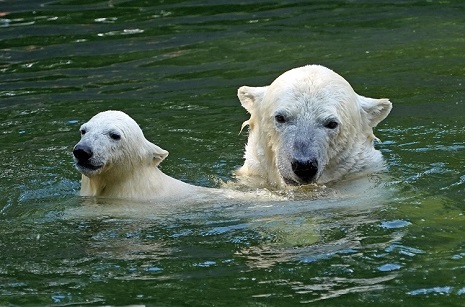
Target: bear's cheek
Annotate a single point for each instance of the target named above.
(283, 164)
(121, 159)
(341, 145)
(280, 141)
(283, 149)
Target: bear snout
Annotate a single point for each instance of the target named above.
(82, 152)
(305, 170)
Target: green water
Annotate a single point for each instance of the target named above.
(175, 67)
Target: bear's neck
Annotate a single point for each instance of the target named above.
(357, 160)
(259, 156)
(147, 183)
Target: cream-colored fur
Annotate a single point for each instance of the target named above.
(117, 161)
(309, 126)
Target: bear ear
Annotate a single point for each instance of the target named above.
(376, 109)
(157, 154)
(250, 96)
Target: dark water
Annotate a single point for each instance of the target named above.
(175, 67)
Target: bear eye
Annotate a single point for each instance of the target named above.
(331, 124)
(115, 136)
(280, 118)
(83, 131)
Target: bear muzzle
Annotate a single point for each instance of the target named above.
(305, 170)
(83, 157)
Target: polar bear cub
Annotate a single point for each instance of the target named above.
(309, 126)
(117, 161)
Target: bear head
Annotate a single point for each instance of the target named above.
(113, 143)
(309, 126)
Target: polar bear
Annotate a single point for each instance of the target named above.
(309, 126)
(117, 161)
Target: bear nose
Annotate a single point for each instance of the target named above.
(82, 152)
(305, 169)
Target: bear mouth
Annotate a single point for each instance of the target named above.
(297, 182)
(88, 166)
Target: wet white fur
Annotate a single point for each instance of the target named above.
(309, 96)
(129, 165)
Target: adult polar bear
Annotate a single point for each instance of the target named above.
(309, 126)
(117, 161)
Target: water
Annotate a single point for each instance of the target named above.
(175, 67)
